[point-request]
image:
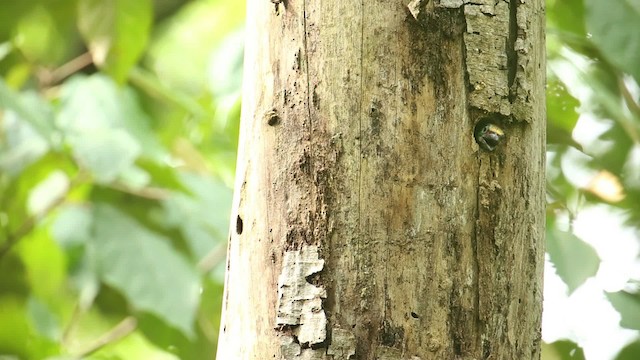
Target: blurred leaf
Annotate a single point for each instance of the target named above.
(48, 192)
(106, 153)
(611, 23)
(154, 87)
(630, 352)
(30, 108)
(96, 104)
(14, 199)
(43, 259)
(203, 217)
(116, 32)
(72, 226)
(225, 66)
(568, 16)
(16, 335)
(562, 350)
(21, 145)
(173, 340)
(628, 305)
(162, 175)
(44, 321)
(141, 264)
(195, 30)
(14, 280)
(561, 114)
(38, 38)
(631, 169)
(574, 260)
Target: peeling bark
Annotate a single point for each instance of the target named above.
(300, 303)
(372, 225)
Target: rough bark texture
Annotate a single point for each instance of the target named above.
(368, 223)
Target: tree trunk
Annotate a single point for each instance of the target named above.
(379, 213)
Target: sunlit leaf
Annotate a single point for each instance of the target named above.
(225, 67)
(30, 108)
(574, 260)
(96, 104)
(107, 153)
(38, 38)
(628, 305)
(144, 267)
(21, 145)
(72, 226)
(43, 259)
(116, 32)
(48, 192)
(195, 30)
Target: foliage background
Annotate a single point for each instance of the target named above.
(118, 132)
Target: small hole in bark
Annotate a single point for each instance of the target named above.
(239, 225)
(414, 315)
(272, 118)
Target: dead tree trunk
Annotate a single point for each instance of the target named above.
(380, 212)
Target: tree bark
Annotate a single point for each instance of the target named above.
(367, 221)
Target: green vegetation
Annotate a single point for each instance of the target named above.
(117, 152)
(118, 134)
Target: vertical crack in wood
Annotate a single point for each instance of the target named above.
(512, 55)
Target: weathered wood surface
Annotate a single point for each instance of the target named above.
(367, 222)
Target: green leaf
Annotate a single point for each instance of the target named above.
(611, 24)
(562, 350)
(107, 154)
(45, 195)
(30, 108)
(561, 113)
(142, 265)
(162, 175)
(203, 217)
(116, 32)
(37, 37)
(43, 259)
(20, 144)
(44, 321)
(17, 337)
(568, 16)
(197, 28)
(630, 352)
(95, 104)
(72, 226)
(575, 261)
(628, 305)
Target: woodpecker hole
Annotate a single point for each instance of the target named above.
(482, 122)
(272, 118)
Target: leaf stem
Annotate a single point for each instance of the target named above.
(122, 329)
